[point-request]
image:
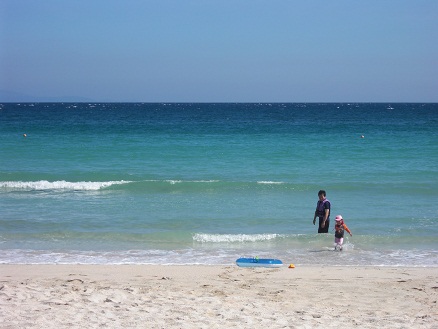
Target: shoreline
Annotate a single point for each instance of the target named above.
(218, 296)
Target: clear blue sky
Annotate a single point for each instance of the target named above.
(219, 50)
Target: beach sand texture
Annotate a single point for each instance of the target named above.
(159, 296)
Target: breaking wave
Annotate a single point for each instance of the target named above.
(224, 238)
(44, 185)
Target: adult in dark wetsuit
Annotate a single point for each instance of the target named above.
(322, 212)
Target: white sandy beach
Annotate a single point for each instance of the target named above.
(148, 296)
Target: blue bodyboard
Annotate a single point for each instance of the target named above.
(258, 262)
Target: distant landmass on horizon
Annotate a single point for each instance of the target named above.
(7, 96)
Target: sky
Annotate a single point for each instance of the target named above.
(219, 50)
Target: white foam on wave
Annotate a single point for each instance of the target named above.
(172, 182)
(221, 238)
(270, 182)
(44, 185)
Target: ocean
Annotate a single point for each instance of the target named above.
(168, 183)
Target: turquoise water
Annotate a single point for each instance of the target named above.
(209, 183)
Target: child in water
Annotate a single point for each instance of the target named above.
(339, 232)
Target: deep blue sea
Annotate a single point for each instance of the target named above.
(143, 183)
